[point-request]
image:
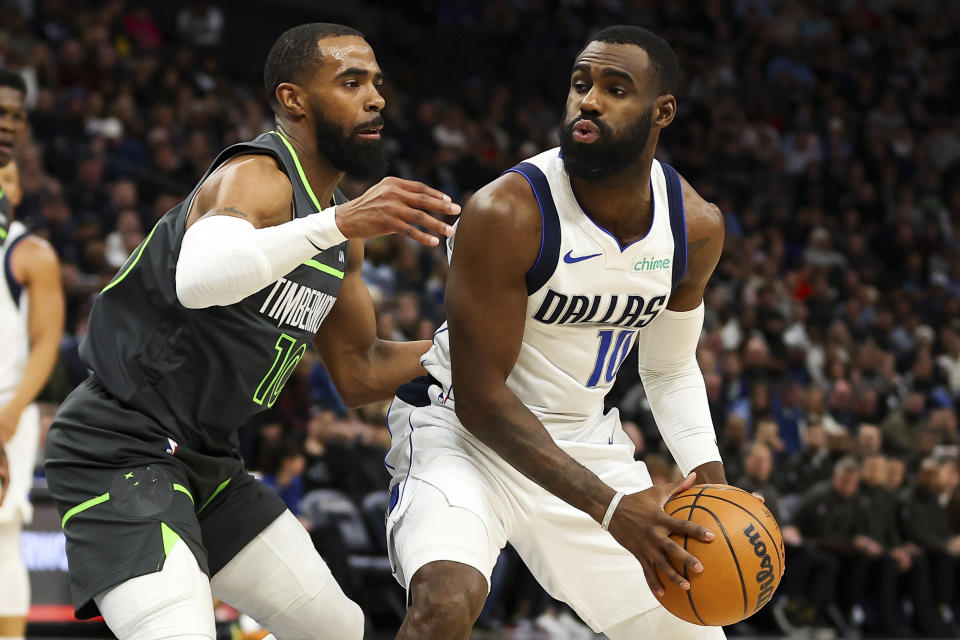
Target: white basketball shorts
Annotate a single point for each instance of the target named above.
(454, 499)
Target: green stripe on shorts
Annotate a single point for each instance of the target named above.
(223, 485)
(182, 489)
(169, 536)
(83, 506)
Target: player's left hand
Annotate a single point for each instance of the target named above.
(642, 527)
(9, 419)
(4, 473)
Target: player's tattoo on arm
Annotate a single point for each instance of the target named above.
(694, 247)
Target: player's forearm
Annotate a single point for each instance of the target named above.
(376, 374)
(36, 371)
(711, 473)
(675, 388)
(223, 259)
(509, 428)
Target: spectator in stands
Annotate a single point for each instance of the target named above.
(950, 496)
(924, 524)
(881, 526)
(809, 466)
(830, 517)
(869, 441)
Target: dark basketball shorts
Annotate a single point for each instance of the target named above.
(126, 494)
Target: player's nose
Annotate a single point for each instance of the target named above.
(590, 102)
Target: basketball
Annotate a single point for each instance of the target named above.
(743, 564)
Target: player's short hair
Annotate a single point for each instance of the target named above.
(13, 80)
(666, 69)
(295, 55)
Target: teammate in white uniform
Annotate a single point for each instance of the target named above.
(560, 266)
(31, 321)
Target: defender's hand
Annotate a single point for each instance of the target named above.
(394, 205)
(643, 528)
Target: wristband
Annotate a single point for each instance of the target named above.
(608, 516)
(323, 231)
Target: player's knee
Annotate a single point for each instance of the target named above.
(446, 597)
(329, 611)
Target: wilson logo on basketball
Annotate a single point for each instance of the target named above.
(765, 577)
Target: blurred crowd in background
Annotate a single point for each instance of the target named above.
(826, 131)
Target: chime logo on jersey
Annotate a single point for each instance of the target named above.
(297, 305)
(606, 309)
(652, 264)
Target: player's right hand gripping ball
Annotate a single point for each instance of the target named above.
(743, 564)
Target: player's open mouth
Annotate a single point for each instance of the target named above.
(585, 131)
(370, 133)
(6, 147)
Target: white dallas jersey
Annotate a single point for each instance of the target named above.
(589, 296)
(13, 315)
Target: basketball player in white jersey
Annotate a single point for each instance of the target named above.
(559, 267)
(31, 321)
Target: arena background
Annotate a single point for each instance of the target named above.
(826, 131)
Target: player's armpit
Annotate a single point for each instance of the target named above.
(362, 367)
(705, 234)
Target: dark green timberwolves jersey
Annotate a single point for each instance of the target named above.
(200, 373)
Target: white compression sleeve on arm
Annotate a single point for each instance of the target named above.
(224, 259)
(674, 386)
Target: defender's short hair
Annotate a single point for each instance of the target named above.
(295, 55)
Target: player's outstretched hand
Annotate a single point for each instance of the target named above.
(394, 205)
(643, 528)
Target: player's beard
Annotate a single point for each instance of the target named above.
(360, 159)
(607, 155)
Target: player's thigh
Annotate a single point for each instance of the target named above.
(578, 562)
(660, 623)
(281, 581)
(235, 515)
(432, 529)
(173, 603)
(121, 522)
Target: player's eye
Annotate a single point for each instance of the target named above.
(352, 84)
(579, 87)
(617, 91)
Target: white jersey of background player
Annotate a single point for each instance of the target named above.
(559, 267)
(31, 321)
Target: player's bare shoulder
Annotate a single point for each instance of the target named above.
(504, 212)
(33, 256)
(705, 232)
(250, 186)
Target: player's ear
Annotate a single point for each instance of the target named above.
(664, 110)
(292, 99)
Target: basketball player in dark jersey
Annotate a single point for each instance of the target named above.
(200, 329)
